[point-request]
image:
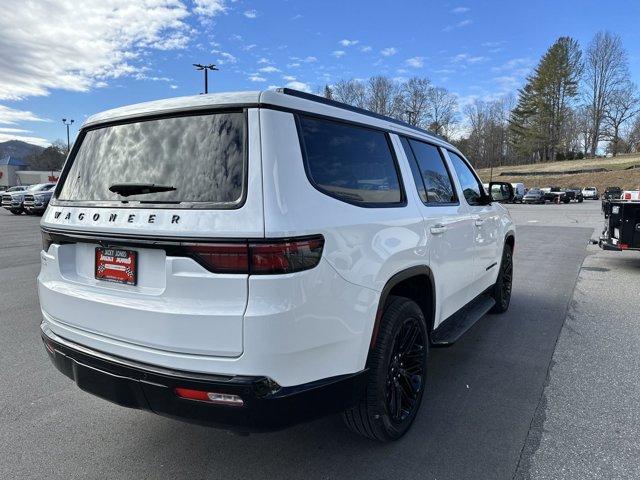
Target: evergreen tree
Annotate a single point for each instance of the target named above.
(537, 122)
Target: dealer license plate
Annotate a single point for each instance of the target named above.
(117, 265)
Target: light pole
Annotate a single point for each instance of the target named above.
(206, 69)
(68, 123)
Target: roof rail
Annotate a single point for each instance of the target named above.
(351, 108)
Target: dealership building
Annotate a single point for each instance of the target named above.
(13, 171)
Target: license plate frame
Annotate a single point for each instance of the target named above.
(116, 265)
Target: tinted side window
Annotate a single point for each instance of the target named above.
(437, 181)
(471, 186)
(351, 163)
(417, 177)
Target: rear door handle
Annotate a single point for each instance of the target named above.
(479, 222)
(438, 229)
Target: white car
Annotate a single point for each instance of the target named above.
(254, 260)
(590, 193)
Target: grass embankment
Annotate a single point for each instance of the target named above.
(558, 173)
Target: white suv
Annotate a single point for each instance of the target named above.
(254, 260)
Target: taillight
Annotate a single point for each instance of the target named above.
(286, 256)
(46, 241)
(627, 196)
(222, 257)
(259, 258)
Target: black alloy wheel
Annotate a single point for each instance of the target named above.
(405, 377)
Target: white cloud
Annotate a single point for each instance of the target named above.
(309, 59)
(4, 137)
(296, 17)
(389, 51)
(263, 60)
(288, 78)
(251, 13)
(299, 86)
(246, 48)
(11, 116)
(257, 78)
(73, 45)
(269, 69)
(365, 49)
(461, 24)
(466, 58)
(508, 83)
(226, 57)
(338, 53)
(348, 43)
(209, 8)
(293, 65)
(516, 66)
(415, 62)
(460, 10)
(173, 87)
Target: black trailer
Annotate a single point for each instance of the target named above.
(621, 225)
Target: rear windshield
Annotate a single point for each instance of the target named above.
(201, 157)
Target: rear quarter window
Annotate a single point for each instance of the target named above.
(351, 163)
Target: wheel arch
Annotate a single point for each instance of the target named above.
(510, 239)
(409, 283)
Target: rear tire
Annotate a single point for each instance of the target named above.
(397, 371)
(16, 212)
(502, 288)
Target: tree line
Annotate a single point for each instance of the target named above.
(574, 103)
(51, 158)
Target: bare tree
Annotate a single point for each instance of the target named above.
(351, 92)
(623, 106)
(632, 138)
(415, 97)
(442, 111)
(606, 70)
(384, 96)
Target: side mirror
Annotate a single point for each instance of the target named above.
(501, 192)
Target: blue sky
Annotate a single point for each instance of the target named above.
(71, 59)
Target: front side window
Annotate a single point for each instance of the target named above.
(431, 174)
(471, 186)
(351, 163)
(195, 158)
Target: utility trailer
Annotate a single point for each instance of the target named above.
(621, 223)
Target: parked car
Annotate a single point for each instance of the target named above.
(310, 275)
(612, 193)
(556, 195)
(17, 188)
(519, 192)
(14, 201)
(574, 193)
(35, 202)
(534, 195)
(590, 193)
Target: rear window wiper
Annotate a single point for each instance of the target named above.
(126, 189)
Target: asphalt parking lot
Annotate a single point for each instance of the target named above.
(548, 390)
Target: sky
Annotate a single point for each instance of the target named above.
(70, 59)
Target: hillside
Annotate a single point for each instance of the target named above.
(18, 149)
(622, 171)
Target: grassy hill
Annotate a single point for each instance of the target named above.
(622, 171)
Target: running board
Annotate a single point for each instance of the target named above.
(457, 324)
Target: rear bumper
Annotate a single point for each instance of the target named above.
(606, 244)
(266, 405)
